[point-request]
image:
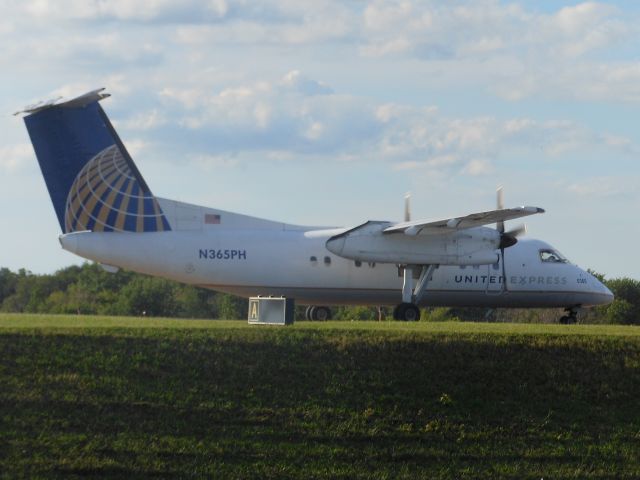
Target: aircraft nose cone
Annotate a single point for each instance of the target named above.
(603, 294)
(608, 295)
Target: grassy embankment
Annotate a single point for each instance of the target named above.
(114, 397)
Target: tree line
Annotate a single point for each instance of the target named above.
(88, 289)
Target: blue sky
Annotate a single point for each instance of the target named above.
(327, 112)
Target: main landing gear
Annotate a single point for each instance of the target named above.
(408, 310)
(571, 317)
(318, 313)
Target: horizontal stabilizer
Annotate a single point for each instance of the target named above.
(80, 101)
(459, 223)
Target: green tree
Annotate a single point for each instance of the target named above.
(622, 312)
(231, 307)
(30, 293)
(194, 302)
(8, 283)
(148, 296)
(72, 300)
(626, 306)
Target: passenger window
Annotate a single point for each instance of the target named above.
(358, 263)
(313, 260)
(327, 260)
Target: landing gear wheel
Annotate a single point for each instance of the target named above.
(568, 320)
(321, 313)
(571, 317)
(307, 313)
(407, 312)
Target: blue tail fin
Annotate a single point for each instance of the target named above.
(92, 180)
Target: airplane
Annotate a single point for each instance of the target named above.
(108, 214)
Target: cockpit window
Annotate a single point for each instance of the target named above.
(552, 256)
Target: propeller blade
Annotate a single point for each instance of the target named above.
(510, 238)
(507, 239)
(407, 207)
(500, 206)
(504, 271)
(518, 231)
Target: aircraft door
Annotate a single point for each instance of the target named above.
(495, 282)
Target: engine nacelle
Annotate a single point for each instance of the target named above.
(368, 243)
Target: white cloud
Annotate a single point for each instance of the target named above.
(286, 118)
(136, 146)
(476, 29)
(292, 112)
(396, 45)
(505, 48)
(478, 167)
(514, 52)
(262, 114)
(189, 98)
(14, 157)
(577, 19)
(6, 28)
(296, 81)
(273, 23)
(315, 131)
(382, 17)
(140, 10)
(146, 120)
(211, 163)
(604, 187)
(421, 138)
(297, 114)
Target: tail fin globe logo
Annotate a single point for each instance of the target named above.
(106, 197)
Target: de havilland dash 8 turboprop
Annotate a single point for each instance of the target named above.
(109, 215)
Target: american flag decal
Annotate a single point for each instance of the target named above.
(211, 219)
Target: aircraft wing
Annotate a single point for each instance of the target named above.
(459, 223)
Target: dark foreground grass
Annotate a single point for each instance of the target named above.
(127, 399)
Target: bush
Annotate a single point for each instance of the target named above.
(622, 312)
(437, 314)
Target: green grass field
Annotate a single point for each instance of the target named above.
(158, 398)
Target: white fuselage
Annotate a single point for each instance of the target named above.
(294, 262)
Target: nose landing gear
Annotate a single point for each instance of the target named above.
(407, 310)
(571, 317)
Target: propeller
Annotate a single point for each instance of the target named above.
(510, 237)
(407, 207)
(507, 238)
